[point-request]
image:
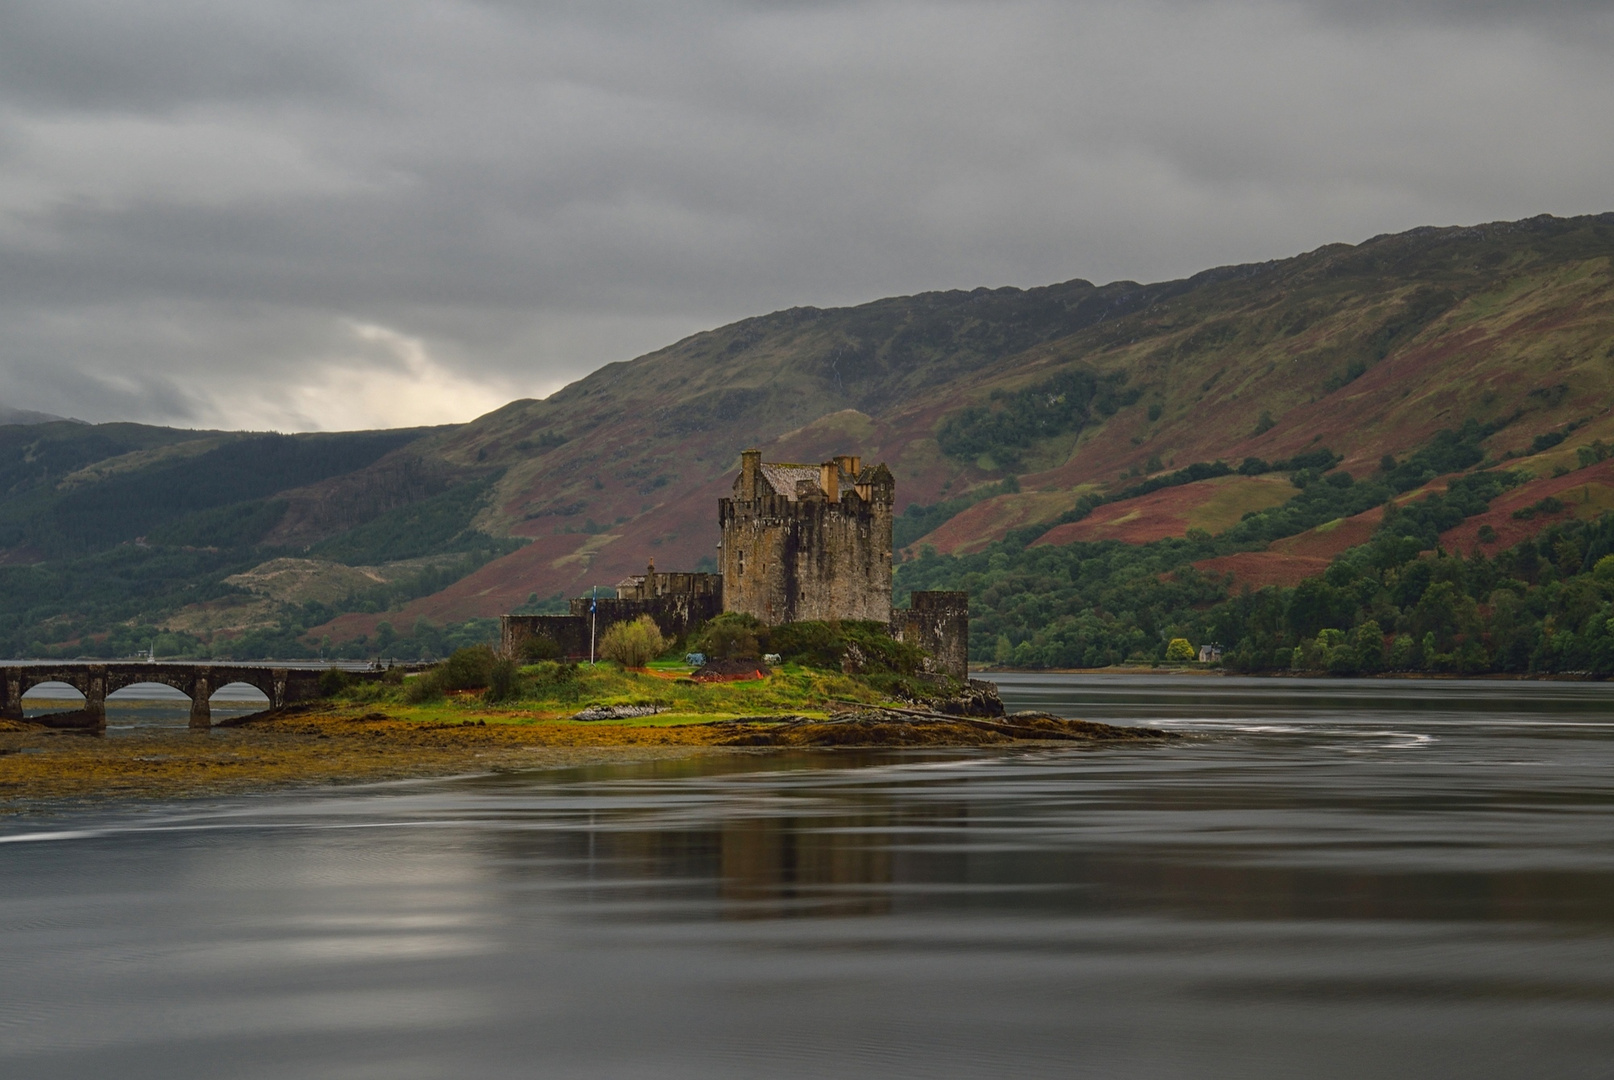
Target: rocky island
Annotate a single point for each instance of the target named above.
(796, 643)
(478, 712)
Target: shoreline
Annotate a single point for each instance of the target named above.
(1220, 673)
(44, 768)
(331, 743)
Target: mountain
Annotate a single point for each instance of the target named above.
(1052, 416)
(8, 415)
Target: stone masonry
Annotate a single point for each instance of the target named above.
(799, 543)
(803, 542)
(939, 623)
(197, 681)
(678, 602)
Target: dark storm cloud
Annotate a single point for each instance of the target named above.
(319, 214)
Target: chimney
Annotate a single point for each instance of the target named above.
(830, 480)
(750, 473)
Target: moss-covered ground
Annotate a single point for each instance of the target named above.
(371, 732)
(555, 691)
(399, 728)
(322, 744)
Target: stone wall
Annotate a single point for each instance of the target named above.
(819, 551)
(939, 623)
(654, 584)
(799, 543)
(675, 615)
(568, 632)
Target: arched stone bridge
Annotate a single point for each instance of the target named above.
(196, 681)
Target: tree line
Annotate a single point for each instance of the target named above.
(1396, 603)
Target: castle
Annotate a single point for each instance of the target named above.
(805, 542)
(798, 543)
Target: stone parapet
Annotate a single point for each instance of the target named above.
(938, 623)
(807, 542)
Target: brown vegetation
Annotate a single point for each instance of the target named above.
(908, 727)
(332, 744)
(309, 748)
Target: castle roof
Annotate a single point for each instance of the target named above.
(783, 476)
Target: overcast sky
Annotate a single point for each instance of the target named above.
(330, 214)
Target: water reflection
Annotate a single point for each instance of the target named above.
(1322, 880)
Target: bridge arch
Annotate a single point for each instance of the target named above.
(198, 681)
(256, 701)
(33, 708)
(124, 686)
(123, 680)
(78, 679)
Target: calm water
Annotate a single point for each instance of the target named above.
(1329, 879)
(145, 705)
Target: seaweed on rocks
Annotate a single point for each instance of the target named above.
(892, 726)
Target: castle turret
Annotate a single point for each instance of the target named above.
(806, 542)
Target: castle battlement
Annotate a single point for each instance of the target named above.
(799, 543)
(803, 542)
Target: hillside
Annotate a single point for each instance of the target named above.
(9, 415)
(1367, 349)
(997, 409)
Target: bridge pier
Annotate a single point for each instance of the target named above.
(11, 694)
(94, 691)
(201, 708)
(198, 681)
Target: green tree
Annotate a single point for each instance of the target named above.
(1367, 641)
(468, 669)
(633, 644)
(1445, 611)
(1180, 651)
(503, 681)
(732, 635)
(1342, 660)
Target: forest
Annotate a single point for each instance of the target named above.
(1396, 603)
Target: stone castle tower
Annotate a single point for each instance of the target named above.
(803, 542)
(799, 543)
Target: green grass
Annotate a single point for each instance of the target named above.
(559, 688)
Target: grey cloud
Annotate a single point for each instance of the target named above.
(100, 54)
(1538, 13)
(199, 203)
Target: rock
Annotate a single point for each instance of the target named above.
(617, 712)
(732, 669)
(978, 698)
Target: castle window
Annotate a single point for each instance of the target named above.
(739, 557)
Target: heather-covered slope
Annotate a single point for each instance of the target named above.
(1366, 349)
(997, 409)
